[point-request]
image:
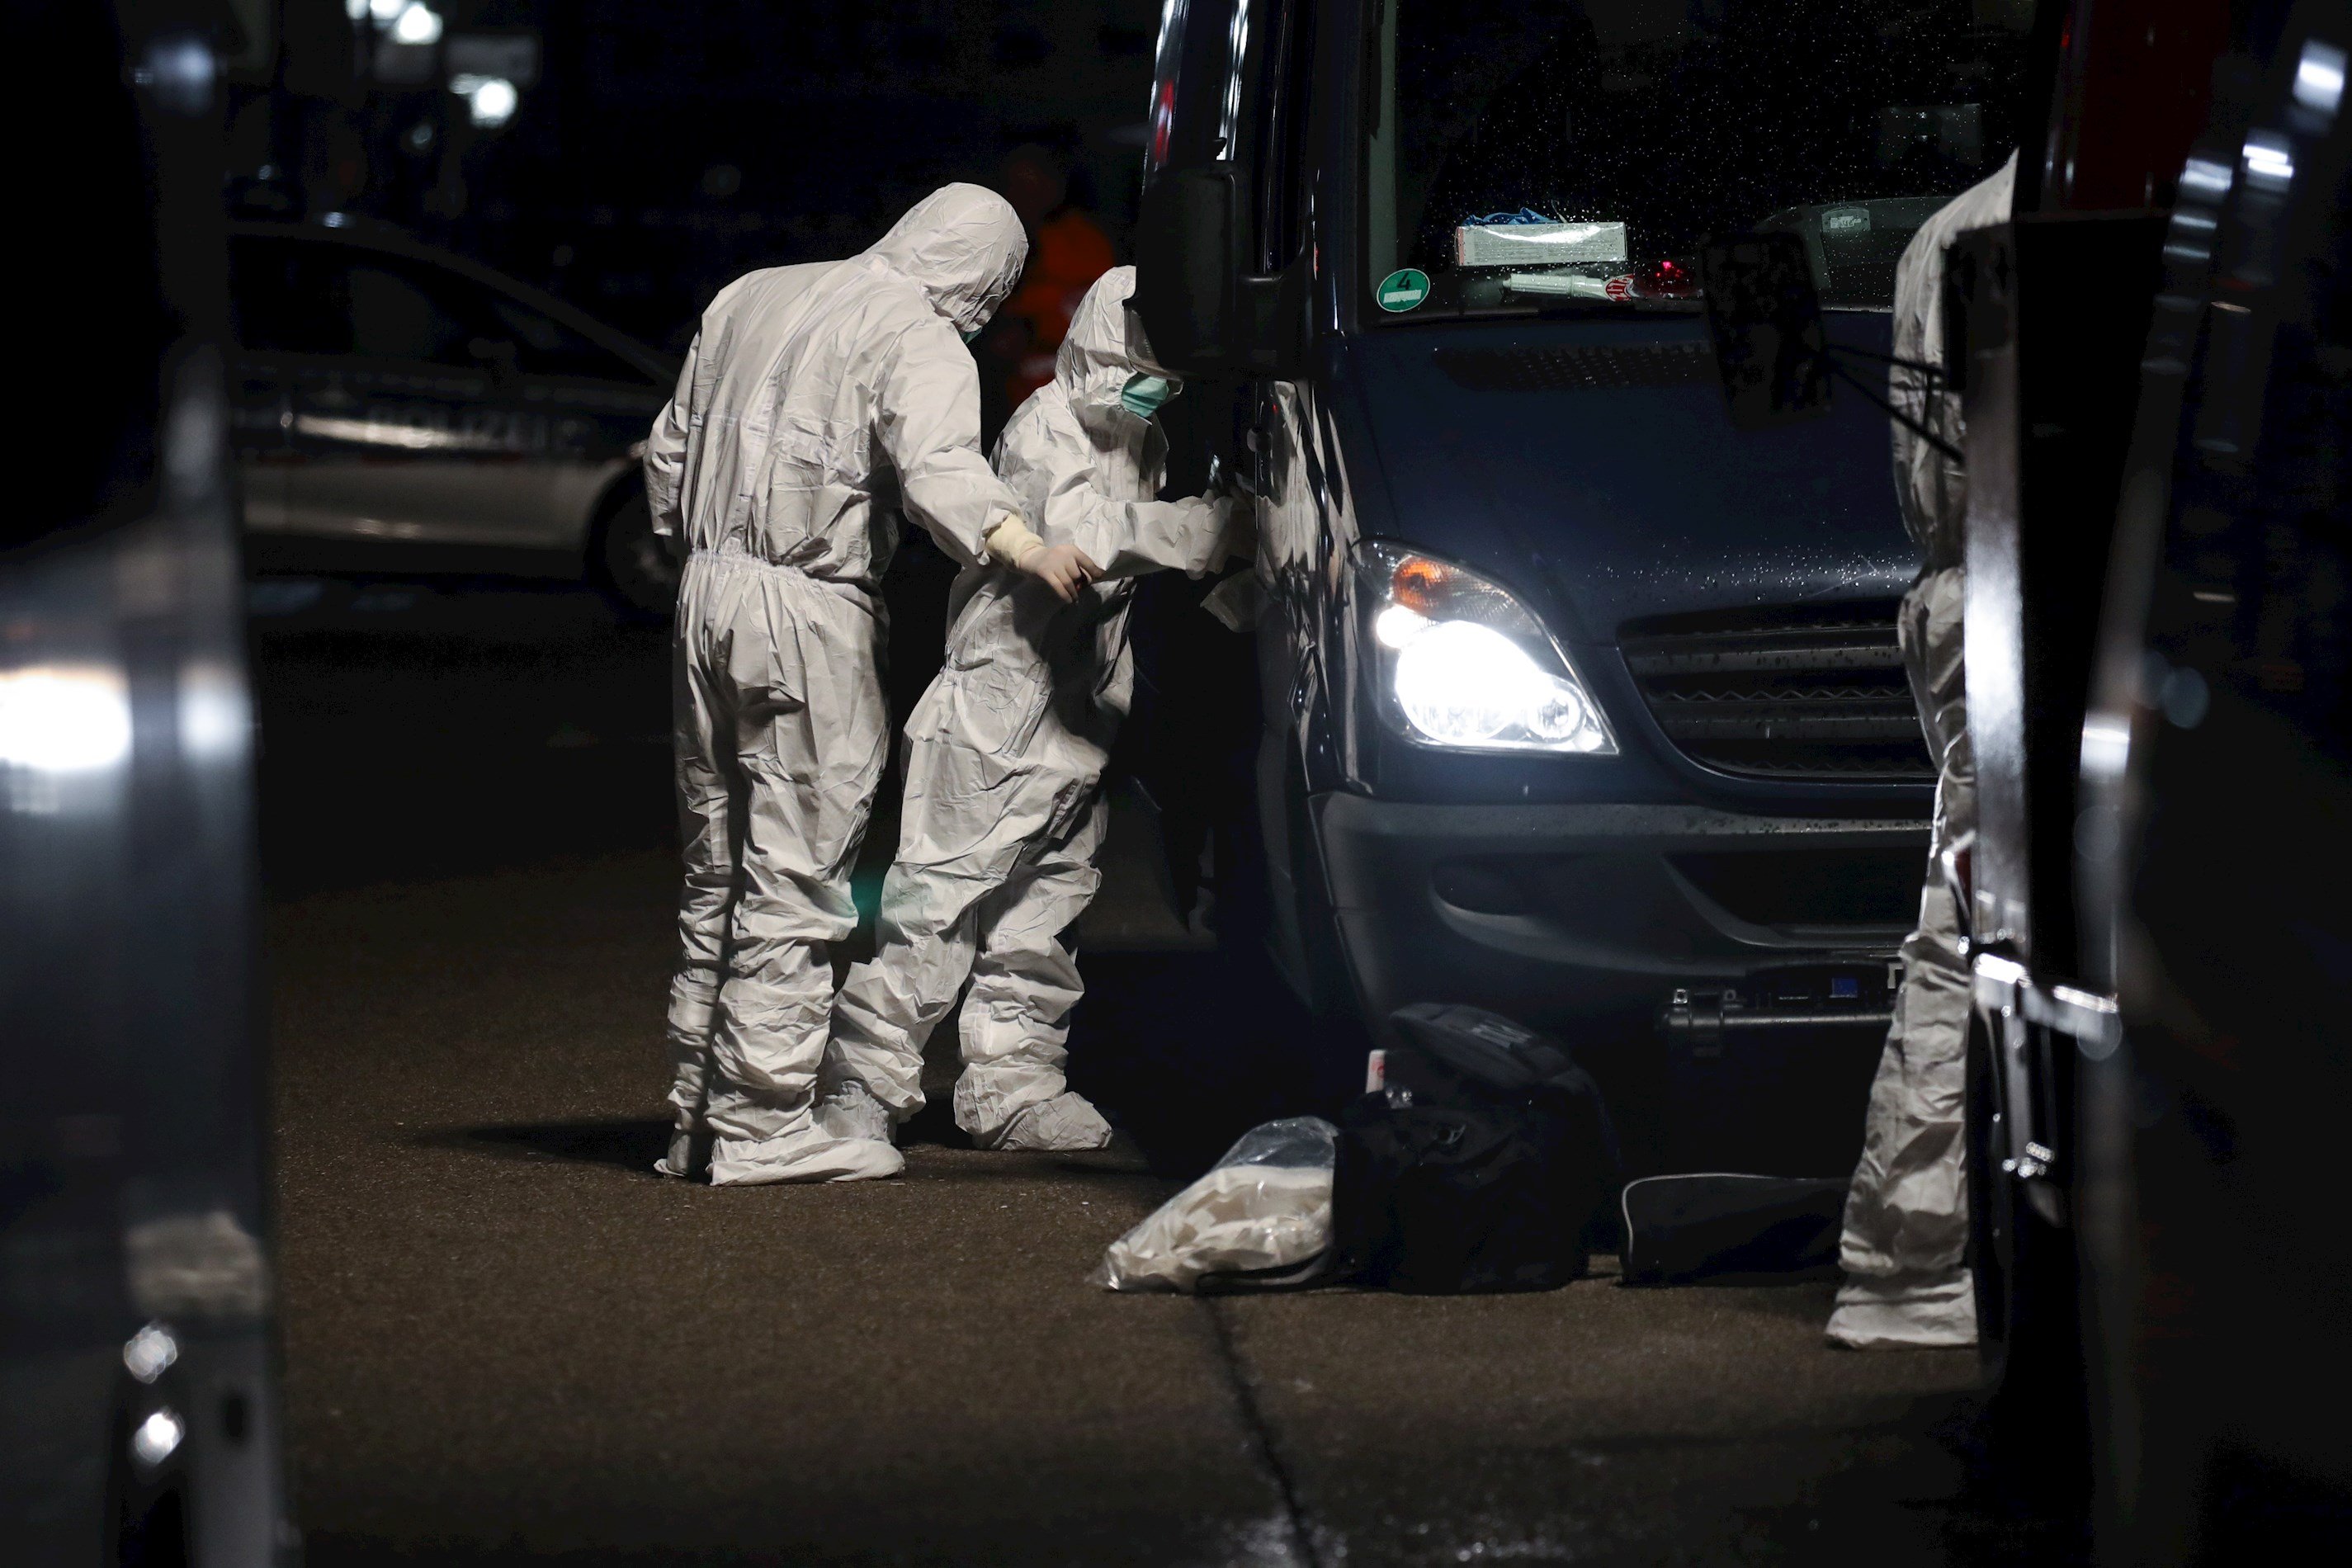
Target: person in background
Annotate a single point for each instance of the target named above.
(1906, 1215)
(818, 404)
(1005, 809)
(1067, 251)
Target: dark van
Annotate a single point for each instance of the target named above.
(1576, 702)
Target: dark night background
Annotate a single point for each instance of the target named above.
(663, 151)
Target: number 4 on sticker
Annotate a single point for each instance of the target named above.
(1403, 289)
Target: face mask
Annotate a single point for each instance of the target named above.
(1143, 395)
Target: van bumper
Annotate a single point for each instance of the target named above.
(1586, 918)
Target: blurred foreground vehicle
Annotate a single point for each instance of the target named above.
(2160, 670)
(400, 408)
(138, 1412)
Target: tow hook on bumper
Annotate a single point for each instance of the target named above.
(2025, 1020)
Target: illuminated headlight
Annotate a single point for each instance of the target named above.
(1463, 665)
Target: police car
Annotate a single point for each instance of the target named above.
(398, 407)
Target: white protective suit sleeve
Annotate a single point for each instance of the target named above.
(665, 459)
(1130, 539)
(927, 420)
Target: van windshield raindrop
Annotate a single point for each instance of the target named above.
(1523, 155)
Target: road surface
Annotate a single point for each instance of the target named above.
(506, 1337)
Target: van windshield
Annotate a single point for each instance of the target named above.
(1529, 155)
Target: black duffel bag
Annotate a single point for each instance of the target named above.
(1726, 1228)
(1480, 1166)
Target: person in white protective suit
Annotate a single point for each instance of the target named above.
(1907, 1214)
(818, 404)
(1005, 808)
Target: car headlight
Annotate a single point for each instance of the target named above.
(1465, 666)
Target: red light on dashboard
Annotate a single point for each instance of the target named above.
(1666, 279)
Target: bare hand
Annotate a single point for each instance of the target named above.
(1065, 568)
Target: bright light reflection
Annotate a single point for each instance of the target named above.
(417, 25)
(2206, 177)
(214, 718)
(2319, 76)
(492, 101)
(150, 1352)
(1396, 625)
(387, 432)
(386, 10)
(2107, 746)
(63, 721)
(2268, 161)
(158, 1437)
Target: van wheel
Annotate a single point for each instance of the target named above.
(636, 567)
(2028, 1324)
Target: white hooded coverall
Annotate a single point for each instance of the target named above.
(818, 404)
(1906, 1214)
(1005, 809)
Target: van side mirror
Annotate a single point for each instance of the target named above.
(1206, 314)
(1765, 315)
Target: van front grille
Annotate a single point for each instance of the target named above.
(1584, 367)
(1795, 693)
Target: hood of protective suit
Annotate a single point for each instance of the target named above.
(1104, 347)
(963, 247)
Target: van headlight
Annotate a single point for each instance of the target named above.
(1465, 666)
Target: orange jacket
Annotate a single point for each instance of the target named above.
(1069, 253)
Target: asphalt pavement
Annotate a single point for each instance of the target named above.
(506, 1339)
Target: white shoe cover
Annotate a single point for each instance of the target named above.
(681, 1161)
(805, 1155)
(1936, 1311)
(1066, 1124)
(852, 1112)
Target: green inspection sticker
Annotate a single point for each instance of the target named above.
(1403, 289)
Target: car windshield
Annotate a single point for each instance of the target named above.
(313, 297)
(1529, 155)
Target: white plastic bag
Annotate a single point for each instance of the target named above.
(1266, 1205)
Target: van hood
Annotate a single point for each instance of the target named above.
(1592, 467)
